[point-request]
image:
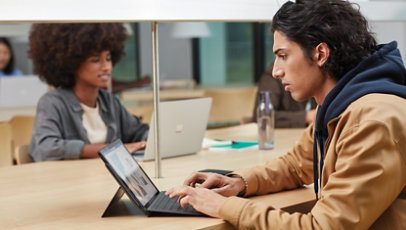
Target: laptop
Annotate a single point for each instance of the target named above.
(21, 91)
(138, 186)
(182, 127)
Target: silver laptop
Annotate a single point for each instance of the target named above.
(21, 91)
(182, 127)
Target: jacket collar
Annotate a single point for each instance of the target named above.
(71, 99)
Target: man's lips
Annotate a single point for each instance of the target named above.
(286, 85)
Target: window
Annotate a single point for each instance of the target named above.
(228, 57)
(127, 69)
(239, 53)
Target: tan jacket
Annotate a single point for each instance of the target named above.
(364, 174)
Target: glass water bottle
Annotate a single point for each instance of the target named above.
(265, 120)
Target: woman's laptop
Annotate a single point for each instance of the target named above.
(21, 91)
(182, 127)
(138, 186)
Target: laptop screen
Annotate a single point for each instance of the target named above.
(181, 129)
(130, 172)
(21, 91)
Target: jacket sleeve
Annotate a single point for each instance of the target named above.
(48, 141)
(362, 186)
(286, 172)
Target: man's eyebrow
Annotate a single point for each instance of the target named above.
(277, 51)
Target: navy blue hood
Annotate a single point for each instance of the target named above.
(382, 72)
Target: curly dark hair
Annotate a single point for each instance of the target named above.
(58, 50)
(337, 23)
(10, 65)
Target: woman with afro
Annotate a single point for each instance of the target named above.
(79, 117)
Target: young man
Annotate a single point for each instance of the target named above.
(355, 151)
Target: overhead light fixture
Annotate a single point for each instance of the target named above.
(190, 30)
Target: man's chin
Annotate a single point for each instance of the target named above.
(298, 98)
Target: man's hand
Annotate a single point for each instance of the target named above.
(223, 185)
(206, 192)
(202, 199)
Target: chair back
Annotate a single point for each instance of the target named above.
(21, 130)
(5, 144)
(230, 105)
(21, 155)
(143, 112)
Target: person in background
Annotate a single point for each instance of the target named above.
(79, 117)
(354, 153)
(7, 68)
(288, 112)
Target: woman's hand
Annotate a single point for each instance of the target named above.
(132, 147)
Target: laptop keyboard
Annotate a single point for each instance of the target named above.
(163, 202)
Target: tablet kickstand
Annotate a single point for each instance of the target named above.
(121, 207)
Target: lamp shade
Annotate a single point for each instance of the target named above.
(128, 28)
(190, 30)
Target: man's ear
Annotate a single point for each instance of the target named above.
(321, 54)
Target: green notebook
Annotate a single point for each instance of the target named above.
(236, 145)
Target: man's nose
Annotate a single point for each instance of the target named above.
(277, 73)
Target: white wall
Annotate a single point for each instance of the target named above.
(20, 49)
(389, 31)
(174, 53)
